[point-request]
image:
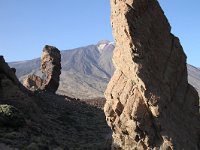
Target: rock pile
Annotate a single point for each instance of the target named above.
(150, 104)
(51, 69)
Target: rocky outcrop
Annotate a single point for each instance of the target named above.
(9, 85)
(5, 70)
(12, 93)
(51, 69)
(150, 104)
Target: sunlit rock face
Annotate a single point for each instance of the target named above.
(33, 82)
(150, 104)
(50, 69)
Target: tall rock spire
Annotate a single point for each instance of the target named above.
(149, 101)
(51, 67)
(51, 70)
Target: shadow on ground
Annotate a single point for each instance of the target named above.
(59, 124)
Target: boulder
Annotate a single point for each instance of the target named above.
(33, 82)
(150, 104)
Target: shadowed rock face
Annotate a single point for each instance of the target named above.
(51, 67)
(5, 70)
(12, 92)
(51, 70)
(149, 101)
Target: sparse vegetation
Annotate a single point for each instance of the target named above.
(63, 124)
(11, 116)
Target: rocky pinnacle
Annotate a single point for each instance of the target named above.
(51, 70)
(51, 67)
(150, 104)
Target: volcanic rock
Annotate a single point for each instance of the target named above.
(14, 70)
(51, 69)
(150, 104)
(33, 82)
(12, 92)
(5, 70)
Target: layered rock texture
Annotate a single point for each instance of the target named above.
(51, 70)
(150, 104)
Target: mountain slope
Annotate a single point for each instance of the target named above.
(194, 77)
(87, 70)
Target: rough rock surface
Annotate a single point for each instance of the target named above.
(33, 82)
(51, 69)
(150, 104)
(11, 90)
(6, 70)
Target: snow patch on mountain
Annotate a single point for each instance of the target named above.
(103, 45)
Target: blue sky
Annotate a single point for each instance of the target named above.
(27, 25)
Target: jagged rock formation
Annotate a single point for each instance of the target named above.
(11, 90)
(5, 70)
(51, 69)
(150, 104)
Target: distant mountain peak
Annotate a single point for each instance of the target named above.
(103, 42)
(101, 45)
(85, 70)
